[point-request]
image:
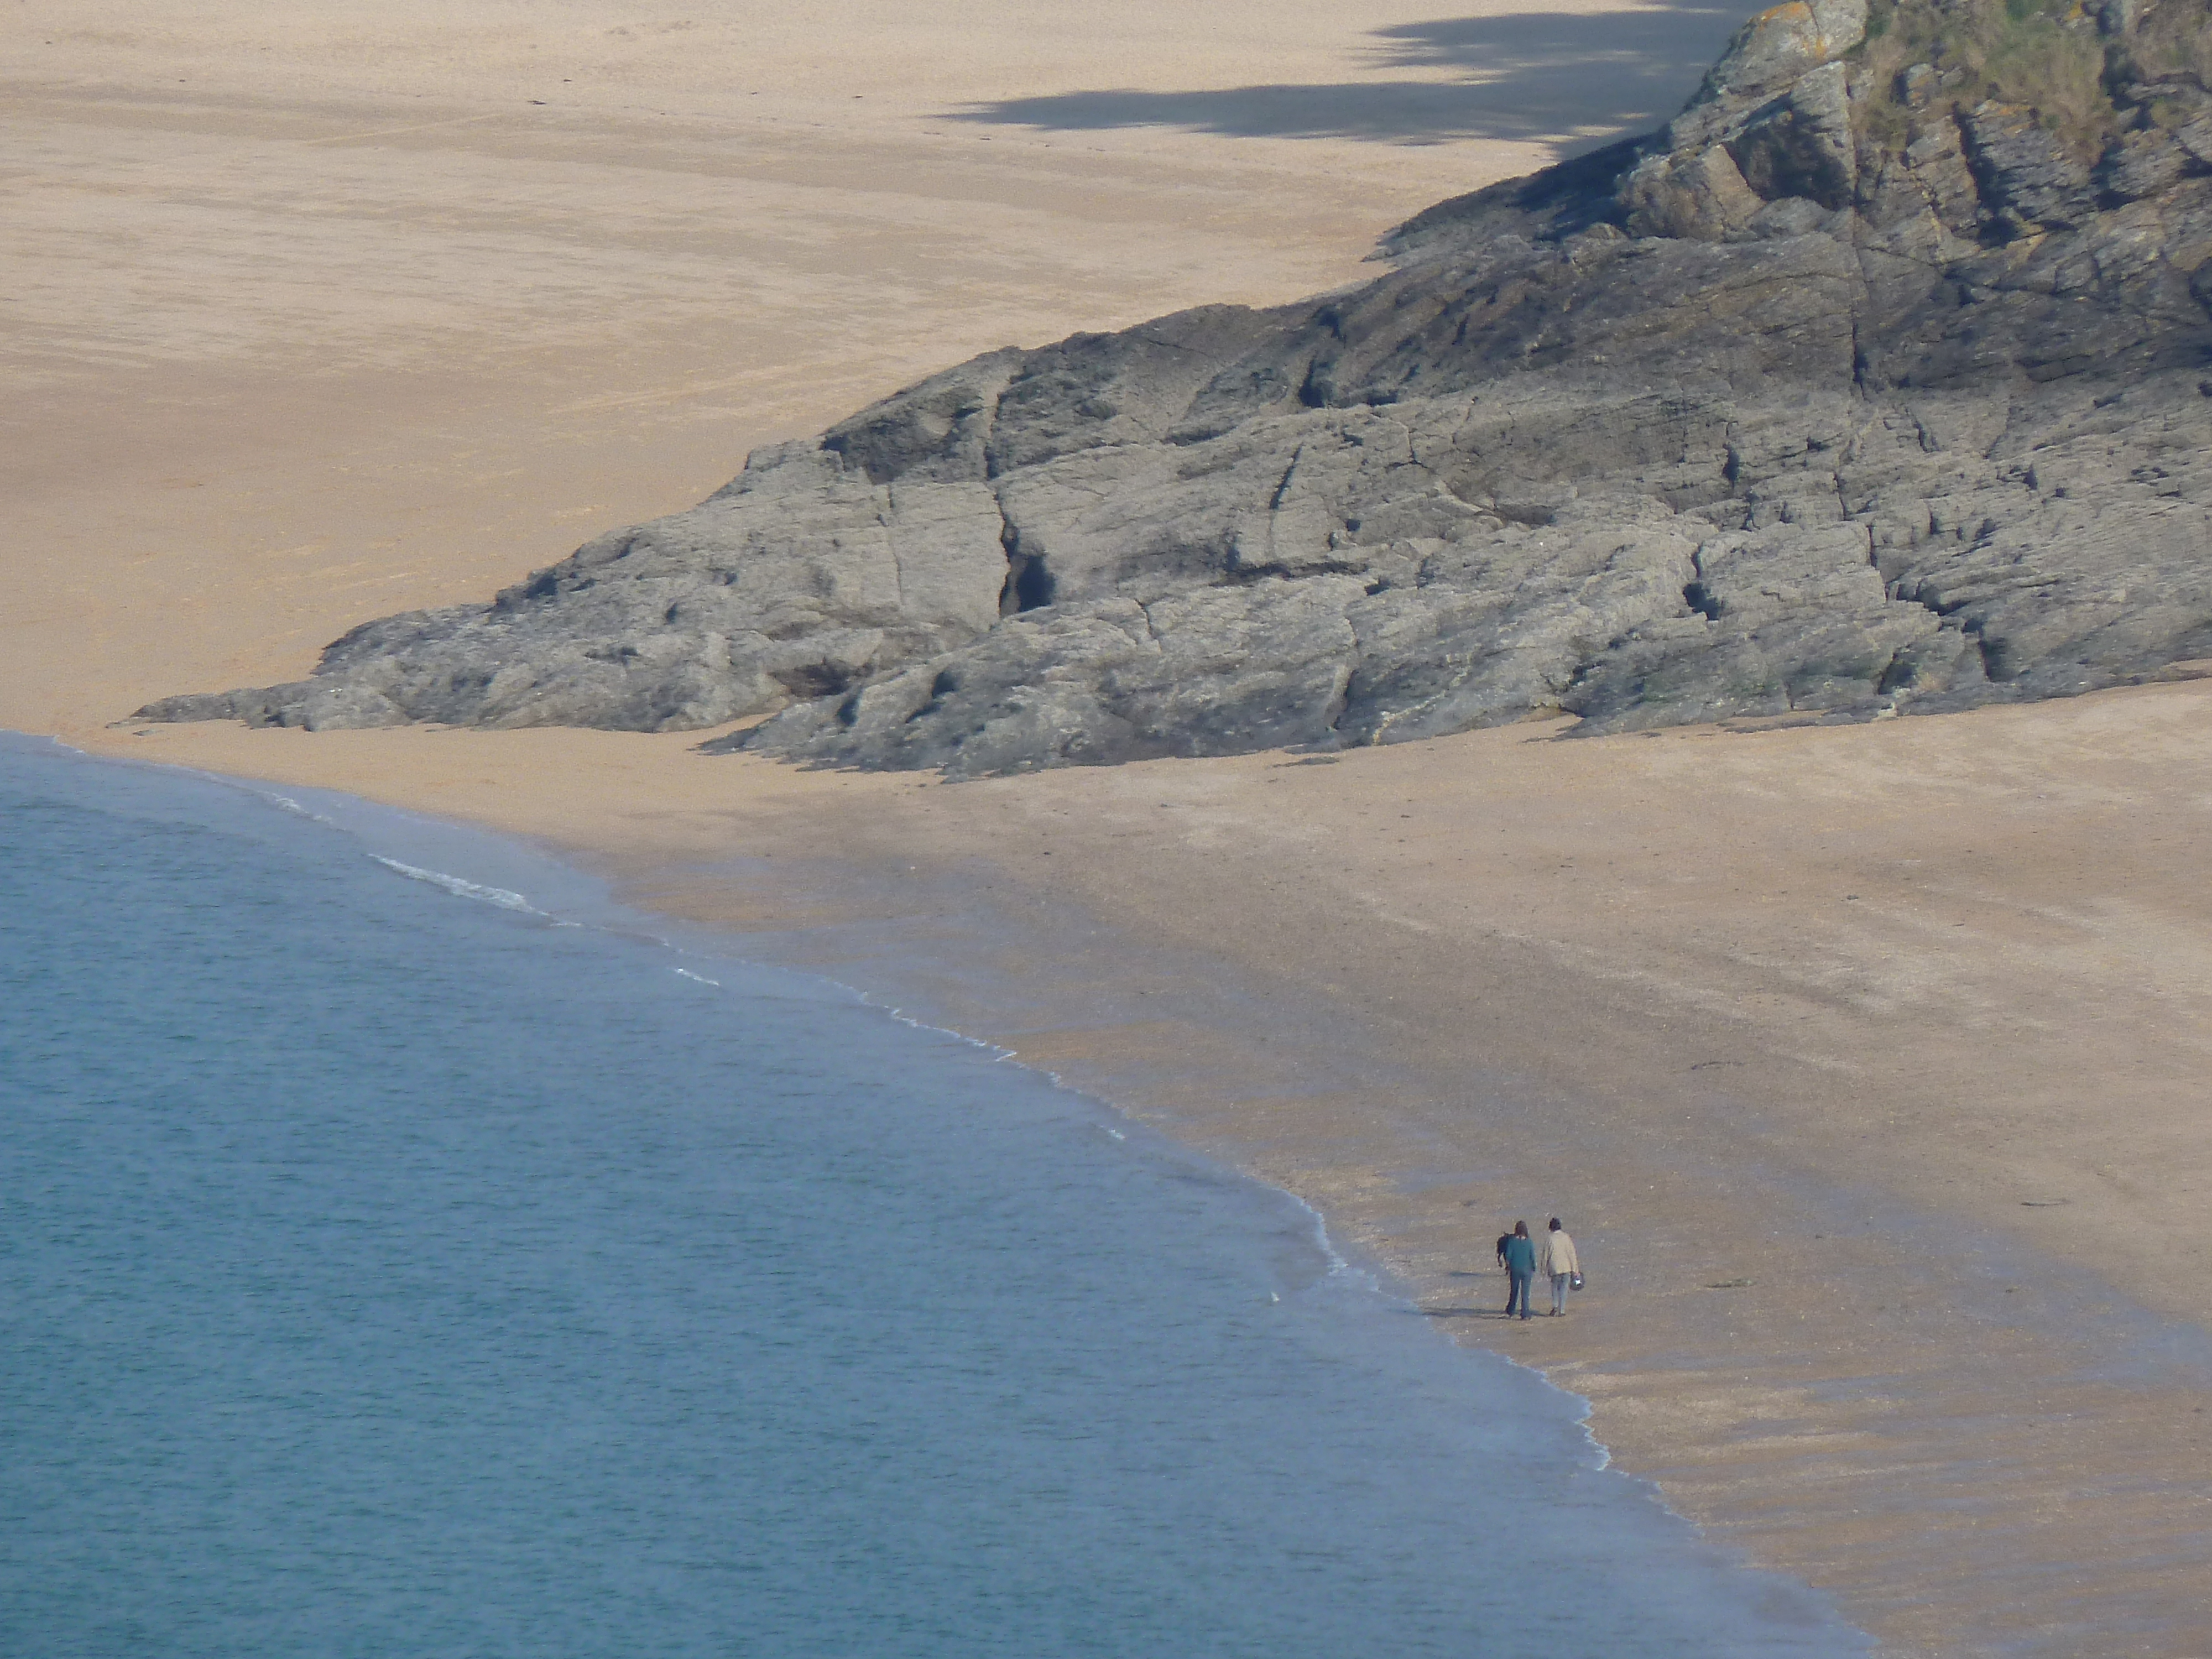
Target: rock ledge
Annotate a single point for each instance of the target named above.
(1863, 388)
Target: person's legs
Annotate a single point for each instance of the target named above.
(1559, 1293)
(1521, 1284)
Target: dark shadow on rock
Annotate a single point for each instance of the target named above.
(1542, 76)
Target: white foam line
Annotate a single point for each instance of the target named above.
(904, 1017)
(687, 974)
(505, 899)
(1339, 1269)
(292, 806)
(1582, 1422)
(1604, 1452)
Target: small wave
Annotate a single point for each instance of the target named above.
(687, 974)
(505, 899)
(1604, 1452)
(1340, 1270)
(905, 1019)
(286, 804)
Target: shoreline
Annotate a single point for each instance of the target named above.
(1029, 1197)
(1996, 1465)
(391, 834)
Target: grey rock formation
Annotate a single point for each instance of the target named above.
(1853, 392)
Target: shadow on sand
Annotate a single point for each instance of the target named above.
(1463, 1313)
(1574, 80)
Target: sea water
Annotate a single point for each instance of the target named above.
(406, 1253)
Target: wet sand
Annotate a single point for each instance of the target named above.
(1867, 1064)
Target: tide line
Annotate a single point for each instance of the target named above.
(505, 898)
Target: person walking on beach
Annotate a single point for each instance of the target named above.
(1521, 1263)
(1559, 1260)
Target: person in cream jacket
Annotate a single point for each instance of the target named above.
(1559, 1260)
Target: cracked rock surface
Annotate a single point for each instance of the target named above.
(1791, 408)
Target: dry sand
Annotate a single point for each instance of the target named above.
(1868, 1064)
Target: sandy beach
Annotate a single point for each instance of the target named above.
(1866, 1063)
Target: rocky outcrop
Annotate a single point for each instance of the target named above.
(1861, 389)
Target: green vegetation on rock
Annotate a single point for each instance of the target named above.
(2086, 75)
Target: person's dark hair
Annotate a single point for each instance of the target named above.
(1555, 1223)
(1520, 1230)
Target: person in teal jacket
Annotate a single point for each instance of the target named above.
(1521, 1263)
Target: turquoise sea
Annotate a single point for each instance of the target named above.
(408, 1253)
